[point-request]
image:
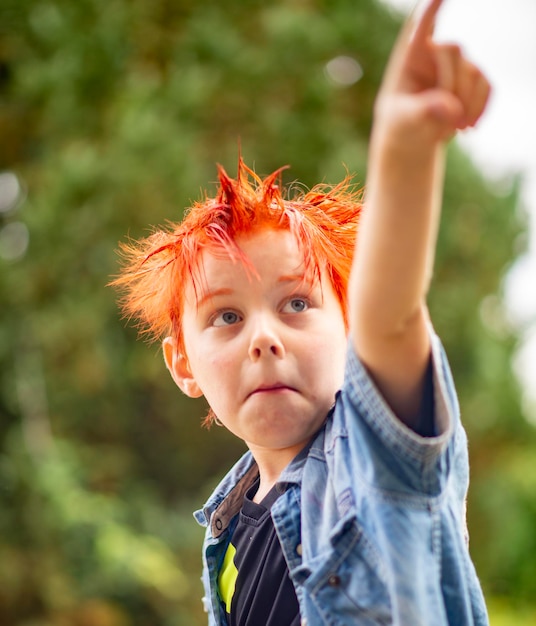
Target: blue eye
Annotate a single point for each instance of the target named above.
(296, 305)
(226, 318)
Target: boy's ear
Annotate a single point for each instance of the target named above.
(179, 369)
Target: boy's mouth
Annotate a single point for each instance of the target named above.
(272, 388)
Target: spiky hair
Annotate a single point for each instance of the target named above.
(155, 270)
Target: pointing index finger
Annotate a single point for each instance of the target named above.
(416, 30)
(426, 23)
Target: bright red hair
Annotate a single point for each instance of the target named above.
(155, 270)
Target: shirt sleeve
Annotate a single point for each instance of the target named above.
(386, 453)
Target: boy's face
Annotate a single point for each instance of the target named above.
(266, 351)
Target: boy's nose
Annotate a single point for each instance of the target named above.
(265, 341)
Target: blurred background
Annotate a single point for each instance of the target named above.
(113, 115)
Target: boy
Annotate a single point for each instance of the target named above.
(349, 506)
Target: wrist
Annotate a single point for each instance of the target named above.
(404, 148)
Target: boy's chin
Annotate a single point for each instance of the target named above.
(279, 431)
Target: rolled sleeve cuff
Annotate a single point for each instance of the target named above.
(377, 414)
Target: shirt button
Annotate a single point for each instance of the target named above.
(299, 549)
(334, 580)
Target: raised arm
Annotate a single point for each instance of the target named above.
(430, 91)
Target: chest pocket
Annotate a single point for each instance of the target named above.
(345, 582)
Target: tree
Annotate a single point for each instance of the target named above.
(113, 115)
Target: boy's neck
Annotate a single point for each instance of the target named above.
(263, 491)
(271, 463)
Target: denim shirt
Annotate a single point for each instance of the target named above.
(371, 517)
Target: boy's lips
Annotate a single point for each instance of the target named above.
(270, 388)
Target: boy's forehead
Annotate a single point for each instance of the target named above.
(274, 256)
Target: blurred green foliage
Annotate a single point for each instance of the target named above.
(112, 116)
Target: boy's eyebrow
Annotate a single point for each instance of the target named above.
(302, 279)
(292, 278)
(209, 295)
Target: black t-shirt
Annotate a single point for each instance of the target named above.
(263, 592)
(256, 587)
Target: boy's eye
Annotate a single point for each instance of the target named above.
(226, 318)
(296, 305)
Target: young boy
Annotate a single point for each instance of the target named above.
(349, 506)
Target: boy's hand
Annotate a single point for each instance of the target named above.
(429, 88)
